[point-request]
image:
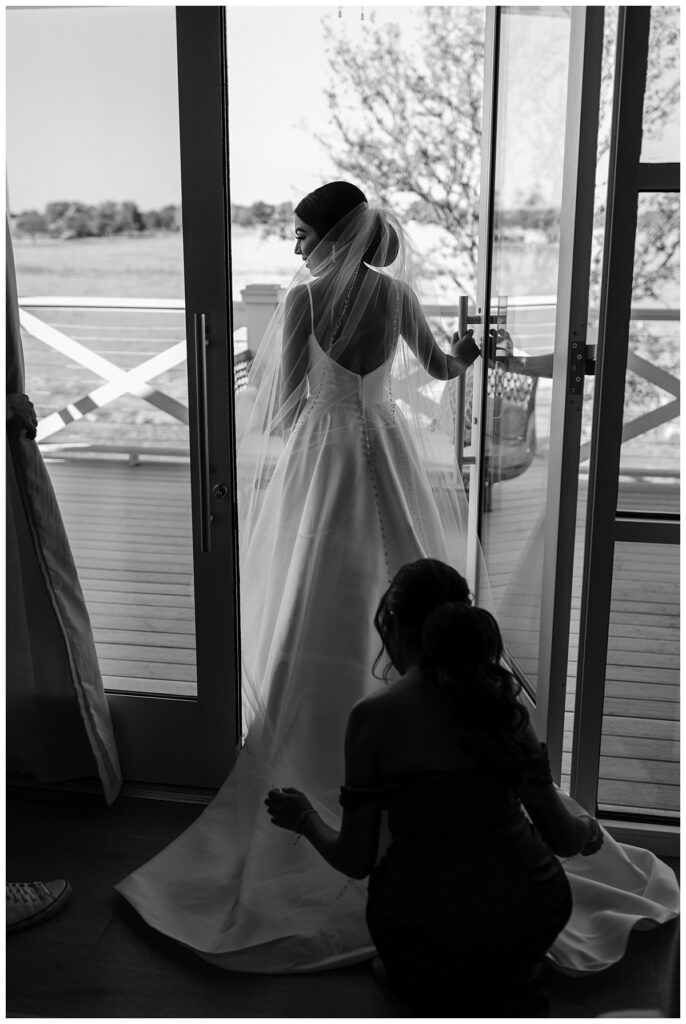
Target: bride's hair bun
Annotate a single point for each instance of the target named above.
(384, 246)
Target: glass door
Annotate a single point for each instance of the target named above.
(625, 756)
(125, 313)
(537, 179)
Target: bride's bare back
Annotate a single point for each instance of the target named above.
(375, 335)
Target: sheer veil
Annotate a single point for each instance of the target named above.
(354, 298)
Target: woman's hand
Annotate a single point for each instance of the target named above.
(465, 348)
(504, 346)
(288, 808)
(19, 409)
(595, 836)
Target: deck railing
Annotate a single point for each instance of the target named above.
(159, 379)
(87, 357)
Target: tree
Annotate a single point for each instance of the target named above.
(170, 218)
(656, 255)
(106, 218)
(78, 221)
(31, 222)
(153, 221)
(407, 126)
(129, 218)
(262, 212)
(56, 210)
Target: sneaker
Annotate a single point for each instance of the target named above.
(379, 971)
(29, 903)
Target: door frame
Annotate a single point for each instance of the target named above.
(570, 352)
(606, 523)
(193, 741)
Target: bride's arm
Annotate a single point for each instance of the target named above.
(418, 335)
(294, 354)
(353, 850)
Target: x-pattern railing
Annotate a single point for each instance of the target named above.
(118, 381)
(138, 380)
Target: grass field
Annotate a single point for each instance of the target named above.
(151, 266)
(147, 266)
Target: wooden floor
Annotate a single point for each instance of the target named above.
(98, 959)
(129, 527)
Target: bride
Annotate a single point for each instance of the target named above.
(341, 481)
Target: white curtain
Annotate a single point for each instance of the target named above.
(58, 721)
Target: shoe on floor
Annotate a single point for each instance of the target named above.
(29, 903)
(379, 971)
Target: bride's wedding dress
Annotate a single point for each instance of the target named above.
(336, 511)
(343, 511)
(348, 503)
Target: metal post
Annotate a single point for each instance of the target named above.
(480, 386)
(462, 326)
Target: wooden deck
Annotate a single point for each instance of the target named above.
(129, 527)
(639, 768)
(130, 533)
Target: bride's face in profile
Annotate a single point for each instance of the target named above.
(306, 238)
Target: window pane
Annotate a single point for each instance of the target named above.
(534, 60)
(639, 762)
(649, 460)
(661, 107)
(94, 186)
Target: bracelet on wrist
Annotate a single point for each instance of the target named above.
(301, 820)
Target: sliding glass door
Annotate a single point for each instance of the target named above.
(537, 180)
(125, 309)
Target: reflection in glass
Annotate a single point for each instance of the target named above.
(528, 179)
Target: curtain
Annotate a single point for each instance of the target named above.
(58, 721)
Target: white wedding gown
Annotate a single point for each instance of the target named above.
(349, 502)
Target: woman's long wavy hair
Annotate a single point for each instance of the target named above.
(461, 652)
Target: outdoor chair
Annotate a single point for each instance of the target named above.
(511, 429)
(242, 361)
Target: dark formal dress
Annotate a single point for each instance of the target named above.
(468, 897)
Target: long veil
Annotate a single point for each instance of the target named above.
(359, 283)
(346, 469)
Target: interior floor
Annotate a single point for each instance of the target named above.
(97, 958)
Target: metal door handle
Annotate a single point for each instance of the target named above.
(200, 339)
(462, 326)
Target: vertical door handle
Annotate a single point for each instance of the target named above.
(462, 327)
(202, 451)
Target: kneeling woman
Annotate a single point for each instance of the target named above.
(468, 897)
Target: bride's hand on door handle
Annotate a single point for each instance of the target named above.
(465, 348)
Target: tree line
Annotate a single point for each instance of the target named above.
(67, 219)
(70, 219)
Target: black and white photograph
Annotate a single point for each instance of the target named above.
(342, 533)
